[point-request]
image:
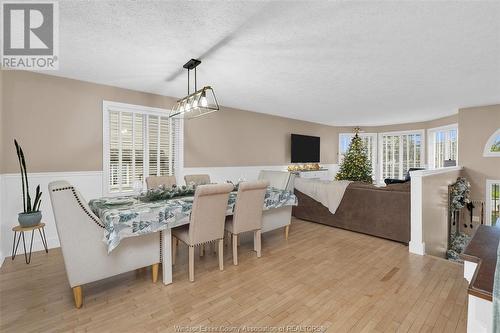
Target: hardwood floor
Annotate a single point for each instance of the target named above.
(325, 276)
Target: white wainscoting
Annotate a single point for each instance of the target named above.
(89, 183)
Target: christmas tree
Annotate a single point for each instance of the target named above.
(356, 166)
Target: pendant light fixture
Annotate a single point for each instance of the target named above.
(198, 103)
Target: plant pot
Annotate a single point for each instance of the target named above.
(29, 219)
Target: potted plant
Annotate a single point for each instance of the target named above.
(31, 214)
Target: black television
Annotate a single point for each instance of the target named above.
(305, 149)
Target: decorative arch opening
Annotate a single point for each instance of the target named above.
(492, 147)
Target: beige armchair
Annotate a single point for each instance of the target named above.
(157, 181)
(206, 223)
(197, 179)
(247, 214)
(85, 255)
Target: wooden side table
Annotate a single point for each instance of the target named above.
(21, 230)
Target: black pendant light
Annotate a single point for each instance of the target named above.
(198, 103)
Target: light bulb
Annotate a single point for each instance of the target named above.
(203, 100)
(187, 107)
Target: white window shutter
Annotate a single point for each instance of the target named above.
(400, 152)
(138, 144)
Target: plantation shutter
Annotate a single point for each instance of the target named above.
(140, 145)
(400, 152)
(444, 146)
(162, 137)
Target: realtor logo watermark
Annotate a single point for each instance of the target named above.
(30, 35)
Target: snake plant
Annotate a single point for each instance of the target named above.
(28, 207)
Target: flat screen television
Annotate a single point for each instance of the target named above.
(305, 149)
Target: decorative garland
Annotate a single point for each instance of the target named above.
(162, 193)
(460, 194)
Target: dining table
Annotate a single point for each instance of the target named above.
(136, 215)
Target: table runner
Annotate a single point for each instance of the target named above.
(126, 216)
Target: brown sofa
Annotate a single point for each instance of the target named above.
(378, 211)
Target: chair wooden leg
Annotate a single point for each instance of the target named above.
(221, 254)
(287, 229)
(191, 263)
(154, 272)
(202, 250)
(235, 249)
(257, 244)
(78, 296)
(174, 249)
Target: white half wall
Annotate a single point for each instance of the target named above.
(89, 183)
(429, 210)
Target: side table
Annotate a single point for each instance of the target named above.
(21, 230)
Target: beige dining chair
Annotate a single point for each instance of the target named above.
(85, 256)
(197, 179)
(206, 223)
(247, 214)
(157, 181)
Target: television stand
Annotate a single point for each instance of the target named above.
(313, 174)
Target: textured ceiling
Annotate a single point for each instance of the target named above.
(340, 63)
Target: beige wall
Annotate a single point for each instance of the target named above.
(58, 121)
(238, 138)
(435, 211)
(406, 127)
(476, 125)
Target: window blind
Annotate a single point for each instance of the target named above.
(400, 152)
(443, 146)
(140, 145)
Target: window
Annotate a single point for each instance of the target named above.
(443, 145)
(400, 151)
(493, 202)
(492, 147)
(138, 142)
(370, 141)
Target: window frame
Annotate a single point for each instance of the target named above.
(108, 106)
(488, 197)
(487, 148)
(374, 137)
(399, 133)
(431, 141)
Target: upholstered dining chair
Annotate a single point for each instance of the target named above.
(206, 223)
(85, 255)
(157, 181)
(197, 179)
(247, 214)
